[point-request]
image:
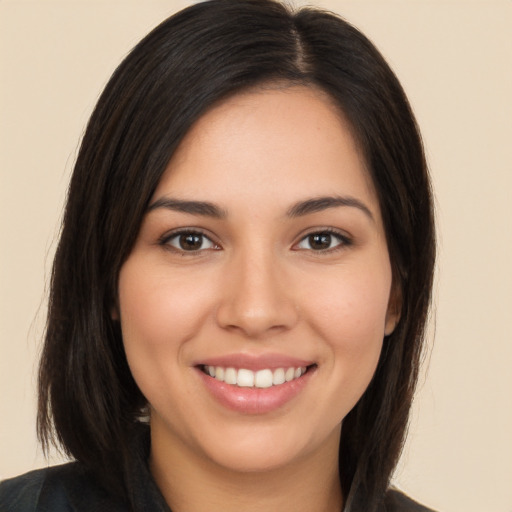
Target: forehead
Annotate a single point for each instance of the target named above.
(274, 141)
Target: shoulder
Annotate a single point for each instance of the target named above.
(21, 493)
(397, 501)
(64, 488)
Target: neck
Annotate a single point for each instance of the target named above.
(196, 484)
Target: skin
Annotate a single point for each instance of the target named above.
(255, 285)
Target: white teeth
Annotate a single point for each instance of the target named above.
(245, 378)
(278, 377)
(263, 379)
(290, 374)
(249, 379)
(219, 373)
(230, 376)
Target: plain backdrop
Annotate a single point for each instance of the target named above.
(454, 59)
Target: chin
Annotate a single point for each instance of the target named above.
(267, 450)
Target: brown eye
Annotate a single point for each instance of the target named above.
(323, 241)
(320, 241)
(189, 241)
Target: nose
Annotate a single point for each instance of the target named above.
(257, 298)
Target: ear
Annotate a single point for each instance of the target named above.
(114, 313)
(394, 309)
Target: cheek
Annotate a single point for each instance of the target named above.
(158, 316)
(350, 319)
(156, 309)
(352, 309)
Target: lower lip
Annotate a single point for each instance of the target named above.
(255, 400)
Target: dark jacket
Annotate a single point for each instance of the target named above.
(70, 488)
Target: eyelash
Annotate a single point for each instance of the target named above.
(175, 235)
(343, 241)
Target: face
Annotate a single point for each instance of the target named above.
(256, 298)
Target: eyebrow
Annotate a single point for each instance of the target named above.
(319, 204)
(302, 208)
(203, 208)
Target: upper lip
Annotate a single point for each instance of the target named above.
(255, 362)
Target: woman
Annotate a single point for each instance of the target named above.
(241, 286)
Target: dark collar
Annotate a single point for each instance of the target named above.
(143, 492)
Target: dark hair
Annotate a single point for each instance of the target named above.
(88, 400)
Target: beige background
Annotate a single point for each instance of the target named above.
(454, 58)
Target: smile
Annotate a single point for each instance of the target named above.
(244, 378)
